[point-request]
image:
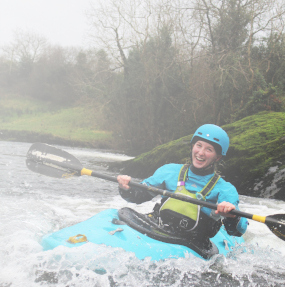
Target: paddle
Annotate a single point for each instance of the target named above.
(54, 162)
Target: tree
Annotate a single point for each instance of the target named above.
(213, 60)
(93, 81)
(150, 97)
(20, 55)
(229, 31)
(120, 25)
(25, 49)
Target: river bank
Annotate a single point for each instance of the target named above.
(32, 137)
(24, 119)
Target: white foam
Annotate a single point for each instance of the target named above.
(33, 205)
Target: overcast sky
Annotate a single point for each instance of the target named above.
(61, 22)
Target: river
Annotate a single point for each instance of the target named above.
(33, 205)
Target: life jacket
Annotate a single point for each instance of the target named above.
(185, 215)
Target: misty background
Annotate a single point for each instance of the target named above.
(148, 71)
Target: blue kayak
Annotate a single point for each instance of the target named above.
(111, 228)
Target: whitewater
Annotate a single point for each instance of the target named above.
(33, 205)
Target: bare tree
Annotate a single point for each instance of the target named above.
(213, 41)
(25, 46)
(228, 31)
(119, 25)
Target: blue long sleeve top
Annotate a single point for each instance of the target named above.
(166, 177)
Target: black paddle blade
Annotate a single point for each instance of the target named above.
(276, 223)
(51, 161)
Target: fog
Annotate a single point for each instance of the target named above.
(61, 22)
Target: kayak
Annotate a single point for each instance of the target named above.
(134, 232)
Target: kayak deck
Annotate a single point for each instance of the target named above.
(106, 228)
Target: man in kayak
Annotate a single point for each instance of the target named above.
(198, 180)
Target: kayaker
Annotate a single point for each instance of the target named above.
(199, 179)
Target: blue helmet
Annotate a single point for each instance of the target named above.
(214, 135)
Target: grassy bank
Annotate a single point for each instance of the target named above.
(71, 124)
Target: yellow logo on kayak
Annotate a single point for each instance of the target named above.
(77, 239)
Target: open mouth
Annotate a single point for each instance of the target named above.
(199, 159)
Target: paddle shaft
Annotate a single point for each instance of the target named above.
(166, 193)
(51, 161)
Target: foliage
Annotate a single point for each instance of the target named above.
(159, 69)
(261, 100)
(230, 30)
(151, 95)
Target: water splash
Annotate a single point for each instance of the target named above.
(33, 205)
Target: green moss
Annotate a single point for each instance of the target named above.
(177, 151)
(257, 143)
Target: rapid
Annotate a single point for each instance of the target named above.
(33, 205)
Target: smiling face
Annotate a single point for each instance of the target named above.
(204, 154)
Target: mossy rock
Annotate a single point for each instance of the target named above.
(256, 157)
(255, 162)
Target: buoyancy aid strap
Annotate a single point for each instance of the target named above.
(208, 187)
(182, 175)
